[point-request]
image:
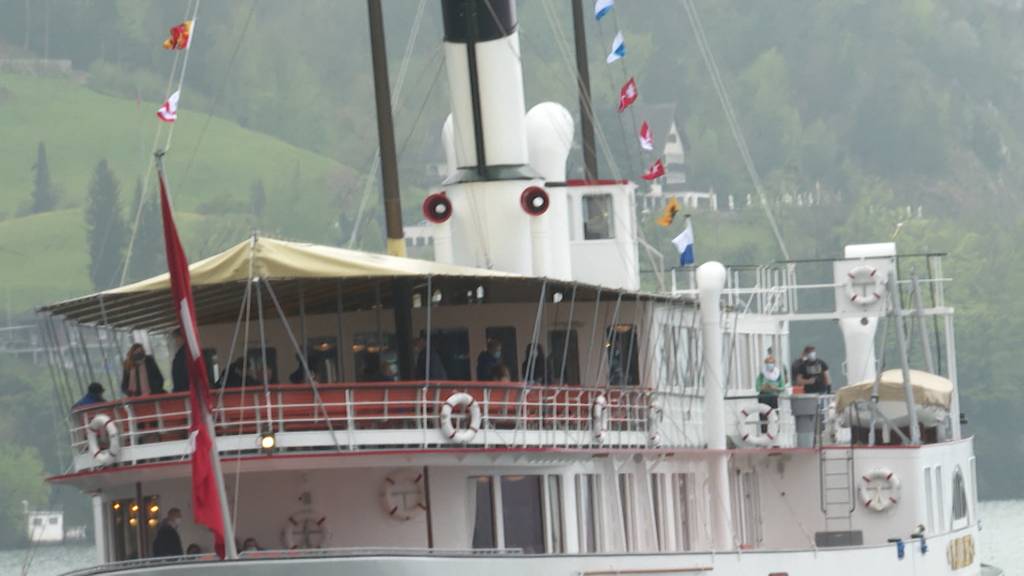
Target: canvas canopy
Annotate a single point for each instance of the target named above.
(305, 277)
(929, 390)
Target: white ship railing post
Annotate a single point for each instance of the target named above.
(711, 278)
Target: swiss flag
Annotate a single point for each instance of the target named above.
(646, 139)
(628, 94)
(206, 505)
(654, 171)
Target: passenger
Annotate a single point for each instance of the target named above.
(193, 550)
(437, 371)
(141, 376)
(167, 541)
(179, 366)
(500, 373)
(540, 373)
(812, 373)
(93, 396)
(299, 375)
(234, 376)
(251, 545)
(770, 383)
(373, 369)
(488, 360)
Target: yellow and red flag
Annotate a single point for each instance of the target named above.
(181, 36)
(669, 214)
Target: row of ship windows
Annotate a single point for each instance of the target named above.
(527, 512)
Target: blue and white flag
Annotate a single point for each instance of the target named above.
(684, 243)
(602, 7)
(618, 48)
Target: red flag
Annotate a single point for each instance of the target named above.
(628, 94)
(180, 36)
(656, 170)
(206, 505)
(646, 138)
(169, 111)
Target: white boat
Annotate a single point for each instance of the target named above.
(636, 447)
(43, 526)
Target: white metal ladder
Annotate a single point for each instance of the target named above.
(835, 467)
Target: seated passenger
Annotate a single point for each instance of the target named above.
(193, 550)
(539, 374)
(93, 396)
(500, 373)
(251, 545)
(488, 359)
(140, 375)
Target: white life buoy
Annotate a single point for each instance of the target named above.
(108, 455)
(879, 489)
(749, 425)
(305, 530)
(460, 400)
(404, 495)
(599, 417)
(864, 285)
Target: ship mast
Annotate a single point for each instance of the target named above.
(583, 80)
(401, 288)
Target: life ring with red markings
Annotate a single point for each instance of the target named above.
(467, 403)
(879, 489)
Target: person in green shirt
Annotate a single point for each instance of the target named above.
(771, 382)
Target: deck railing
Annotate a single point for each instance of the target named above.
(360, 416)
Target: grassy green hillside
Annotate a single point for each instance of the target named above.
(46, 253)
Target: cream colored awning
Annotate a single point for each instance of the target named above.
(307, 277)
(929, 390)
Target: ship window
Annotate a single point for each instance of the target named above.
(452, 345)
(373, 357)
(623, 355)
(509, 356)
(628, 509)
(257, 370)
(928, 498)
(940, 499)
(53, 520)
(959, 496)
(555, 525)
(657, 501)
(131, 524)
(683, 490)
(523, 513)
(564, 359)
(482, 512)
(37, 521)
(587, 506)
(323, 358)
(598, 217)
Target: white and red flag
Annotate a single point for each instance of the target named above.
(628, 94)
(169, 111)
(646, 139)
(655, 171)
(207, 508)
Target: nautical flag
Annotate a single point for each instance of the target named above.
(654, 171)
(646, 139)
(206, 505)
(628, 94)
(169, 111)
(618, 48)
(602, 7)
(684, 243)
(181, 36)
(669, 214)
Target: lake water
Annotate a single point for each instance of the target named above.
(1002, 544)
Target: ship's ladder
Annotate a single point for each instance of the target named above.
(835, 466)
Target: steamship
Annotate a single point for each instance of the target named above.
(627, 437)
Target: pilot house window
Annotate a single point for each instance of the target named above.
(959, 496)
(598, 217)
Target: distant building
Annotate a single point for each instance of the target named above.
(670, 145)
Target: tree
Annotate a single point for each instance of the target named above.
(44, 196)
(147, 257)
(105, 226)
(21, 475)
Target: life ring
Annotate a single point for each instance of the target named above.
(879, 489)
(460, 400)
(750, 419)
(103, 456)
(404, 495)
(305, 530)
(599, 417)
(864, 276)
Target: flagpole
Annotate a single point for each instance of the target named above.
(230, 550)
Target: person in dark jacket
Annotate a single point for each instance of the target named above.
(488, 360)
(167, 541)
(140, 375)
(437, 370)
(93, 396)
(179, 367)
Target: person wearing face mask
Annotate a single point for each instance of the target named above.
(771, 382)
(488, 361)
(812, 373)
(140, 375)
(167, 541)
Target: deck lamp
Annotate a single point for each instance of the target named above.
(267, 441)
